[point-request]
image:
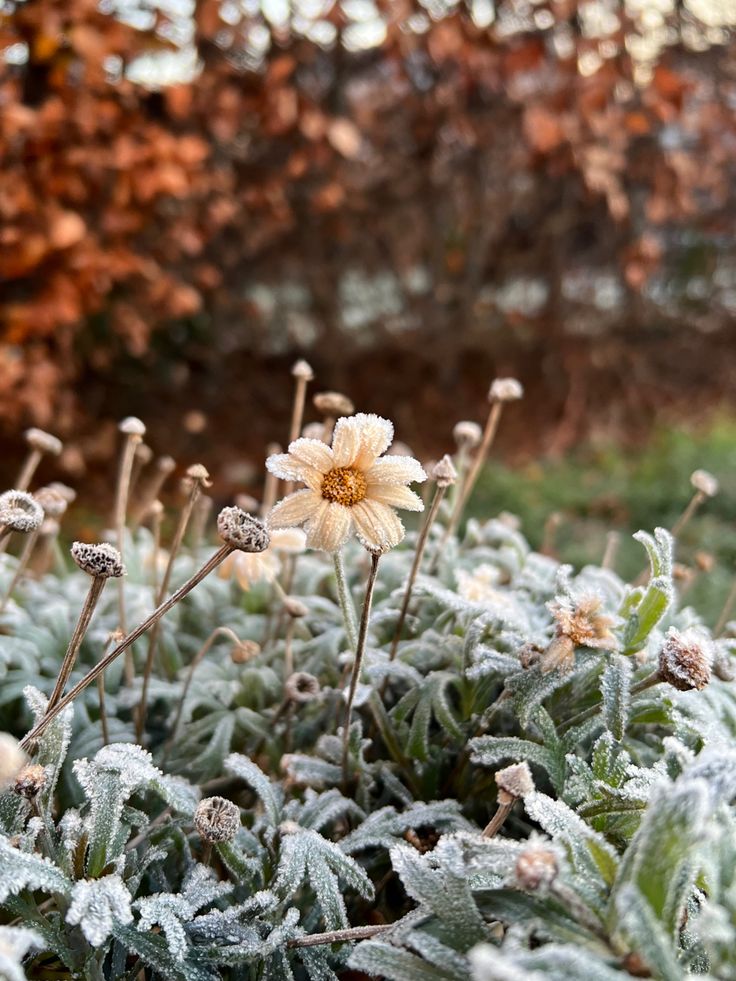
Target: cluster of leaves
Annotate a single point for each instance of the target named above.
(326, 170)
(105, 874)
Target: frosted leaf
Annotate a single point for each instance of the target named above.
(21, 870)
(311, 771)
(15, 943)
(269, 793)
(380, 959)
(551, 962)
(615, 689)
(97, 904)
(54, 743)
(319, 810)
(647, 936)
(385, 827)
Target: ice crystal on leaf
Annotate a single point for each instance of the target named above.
(97, 904)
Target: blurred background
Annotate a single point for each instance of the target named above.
(416, 196)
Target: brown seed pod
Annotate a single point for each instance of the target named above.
(301, 687)
(30, 781)
(685, 660)
(242, 530)
(514, 782)
(102, 561)
(217, 819)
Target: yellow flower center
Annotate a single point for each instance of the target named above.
(344, 485)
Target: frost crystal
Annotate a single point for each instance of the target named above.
(97, 904)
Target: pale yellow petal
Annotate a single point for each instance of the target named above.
(314, 453)
(291, 540)
(294, 509)
(379, 527)
(227, 567)
(330, 527)
(375, 438)
(396, 496)
(289, 467)
(396, 470)
(346, 441)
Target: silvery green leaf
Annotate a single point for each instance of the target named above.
(96, 904)
(15, 942)
(21, 870)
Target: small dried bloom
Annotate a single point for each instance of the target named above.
(536, 866)
(165, 464)
(30, 781)
(20, 511)
(37, 439)
(68, 493)
(333, 404)
(132, 426)
(197, 474)
(685, 659)
(302, 369)
(244, 651)
(295, 608)
(12, 759)
(349, 486)
(705, 561)
(301, 687)
(444, 473)
(704, 482)
(217, 819)
(313, 430)
(242, 530)
(467, 434)
(53, 503)
(102, 561)
(505, 390)
(143, 453)
(582, 621)
(514, 782)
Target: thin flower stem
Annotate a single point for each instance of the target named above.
(489, 433)
(121, 506)
(695, 501)
(184, 517)
(346, 601)
(103, 709)
(651, 679)
(358, 662)
(613, 540)
(30, 465)
(198, 658)
(340, 936)
(418, 555)
(95, 590)
(726, 611)
(212, 563)
(496, 822)
(289, 649)
(297, 415)
(25, 555)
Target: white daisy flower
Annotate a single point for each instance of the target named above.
(249, 568)
(349, 486)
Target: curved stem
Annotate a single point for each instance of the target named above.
(496, 822)
(95, 590)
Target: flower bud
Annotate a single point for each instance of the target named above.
(514, 782)
(685, 660)
(132, 426)
(217, 819)
(197, 474)
(333, 404)
(704, 482)
(101, 561)
(467, 434)
(444, 472)
(242, 530)
(505, 390)
(536, 866)
(37, 439)
(302, 369)
(244, 651)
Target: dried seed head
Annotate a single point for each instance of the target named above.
(37, 439)
(68, 493)
(197, 474)
(166, 464)
(242, 530)
(295, 608)
(30, 781)
(53, 503)
(102, 561)
(505, 390)
(217, 819)
(705, 561)
(467, 434)
(301, 687)
(313, 430)
(20, 511)
(444, 472)
(685, 659)
(244, 651)
(514, 782)
(247, 502)
(302, 369)
(12, 759)
(704, 482)
(583, 622)
(132, 426)
(536, 866)
(333, 404)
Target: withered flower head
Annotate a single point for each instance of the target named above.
(242, 530)
(244, 651)
(144, 453)
(132, 426)
(505, 390)
(197, 474)
(302, 369)
(444, 473)
(217, 819)
(704, 482)
(536, 866)
(685, 659)
(467, 434)
(333, 404)
(301, 687)
(68, 493)
(30, 781)
(295, 608)
(20, 511)
(37, 439)
(102, 561)
(582, 621)
(514, 782)
(53, 503)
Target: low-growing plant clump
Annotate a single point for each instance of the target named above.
(326, 748)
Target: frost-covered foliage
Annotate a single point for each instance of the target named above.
(621, 861)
